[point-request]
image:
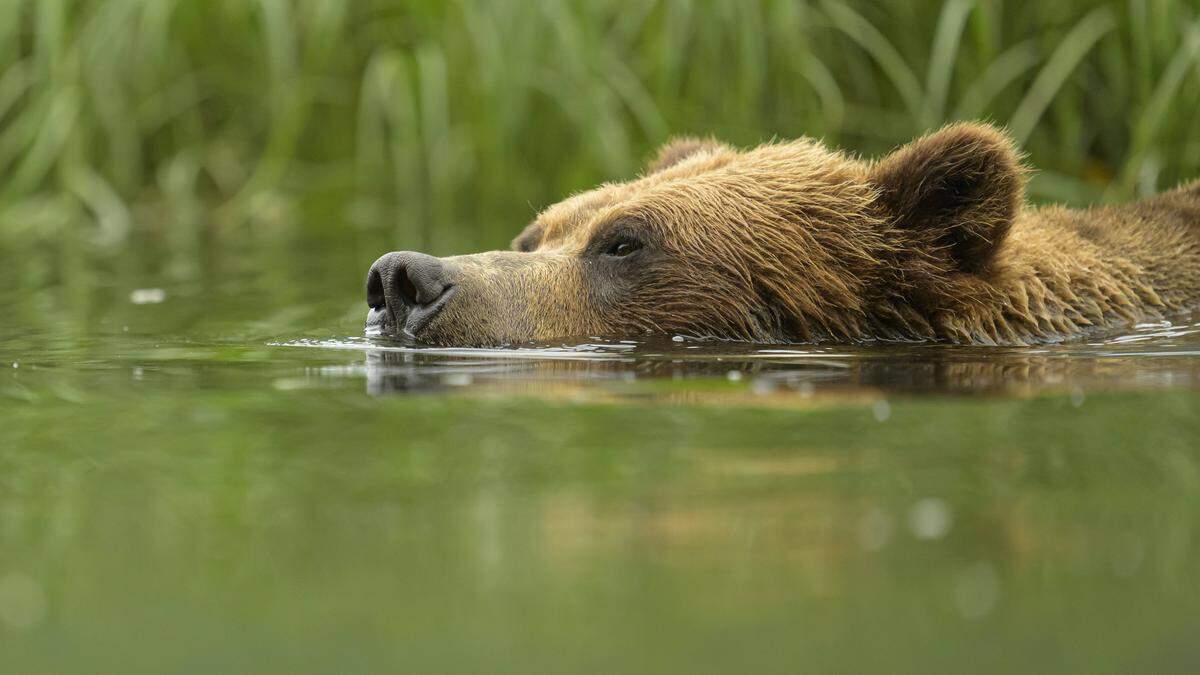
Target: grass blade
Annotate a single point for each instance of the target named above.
(883, 52)
(946, 43)
(1074, 47)
(1006, 69)
(1154, 116)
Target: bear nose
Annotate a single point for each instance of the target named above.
(407, 285)
(405, 278)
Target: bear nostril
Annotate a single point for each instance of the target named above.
(375, 296)
(408, 290)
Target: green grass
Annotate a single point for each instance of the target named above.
(453, 122)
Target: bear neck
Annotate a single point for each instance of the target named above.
(1064, 273)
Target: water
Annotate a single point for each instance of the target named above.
(210, 470)
(1150, 356)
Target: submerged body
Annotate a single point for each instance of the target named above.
(792, 242)
(1068, 273)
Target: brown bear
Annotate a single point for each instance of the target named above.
(793, 242)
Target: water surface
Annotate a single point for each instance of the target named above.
(210, 470)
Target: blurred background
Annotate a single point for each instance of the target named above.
(178, 129)
(204, 466)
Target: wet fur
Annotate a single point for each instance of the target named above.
(795, 242)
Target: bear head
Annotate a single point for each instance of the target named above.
(784, 242)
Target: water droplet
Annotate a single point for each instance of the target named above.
(762, 386)
(977, 590)
(147, 296)
(881, 410)
(875, 529)
(1077, 397)
(930, 519)
(457, 379)
(290, 384)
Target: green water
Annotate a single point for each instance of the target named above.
(223, 476)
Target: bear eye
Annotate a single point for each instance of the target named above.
(622, 248)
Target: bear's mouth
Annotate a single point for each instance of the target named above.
(406, 321)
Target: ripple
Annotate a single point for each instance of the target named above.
(1152, 355)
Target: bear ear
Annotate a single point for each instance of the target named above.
(678, 149)
(957, 189)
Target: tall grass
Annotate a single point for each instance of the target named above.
(452, 121)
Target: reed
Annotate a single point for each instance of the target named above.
(453, 121)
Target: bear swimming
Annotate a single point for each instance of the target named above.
(793, 242)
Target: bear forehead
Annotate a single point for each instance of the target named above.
(770, 170)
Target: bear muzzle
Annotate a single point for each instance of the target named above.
(406, 290)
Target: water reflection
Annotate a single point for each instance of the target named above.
(1159, 355)
(410, 519)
